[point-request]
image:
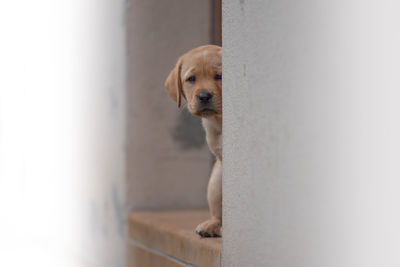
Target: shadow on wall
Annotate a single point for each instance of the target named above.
(188, 132)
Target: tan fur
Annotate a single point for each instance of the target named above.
(204, 62)
(174, 84)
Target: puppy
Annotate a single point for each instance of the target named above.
(197, 77)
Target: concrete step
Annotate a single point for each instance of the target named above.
(167, 238)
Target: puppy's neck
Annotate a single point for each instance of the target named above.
(214, 123)
(213, 128)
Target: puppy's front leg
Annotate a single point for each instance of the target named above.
(213, 226)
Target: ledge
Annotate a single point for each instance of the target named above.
(169, 237)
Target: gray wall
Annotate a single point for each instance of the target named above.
(311, 127)
(168, 161)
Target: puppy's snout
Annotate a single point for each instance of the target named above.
(204, 97)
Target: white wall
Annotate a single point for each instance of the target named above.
(62, 133)
(311, 133)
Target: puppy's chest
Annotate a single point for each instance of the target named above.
(213, 128)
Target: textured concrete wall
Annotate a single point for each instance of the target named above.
(168, 161)
(311, 131)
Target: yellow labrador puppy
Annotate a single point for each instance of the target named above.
(197, 77)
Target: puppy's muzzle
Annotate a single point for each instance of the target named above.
(204, 98)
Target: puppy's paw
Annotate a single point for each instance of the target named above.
(210, 228)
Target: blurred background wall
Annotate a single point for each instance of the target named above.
(168, 161)
(62, 133)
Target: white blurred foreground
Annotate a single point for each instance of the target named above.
(62, 133)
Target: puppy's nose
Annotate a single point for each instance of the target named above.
(204, 97)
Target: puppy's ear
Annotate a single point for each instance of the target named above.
(173, 84)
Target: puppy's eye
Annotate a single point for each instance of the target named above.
(218, 76)
(191, 79)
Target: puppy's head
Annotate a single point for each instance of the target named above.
(198, 78)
